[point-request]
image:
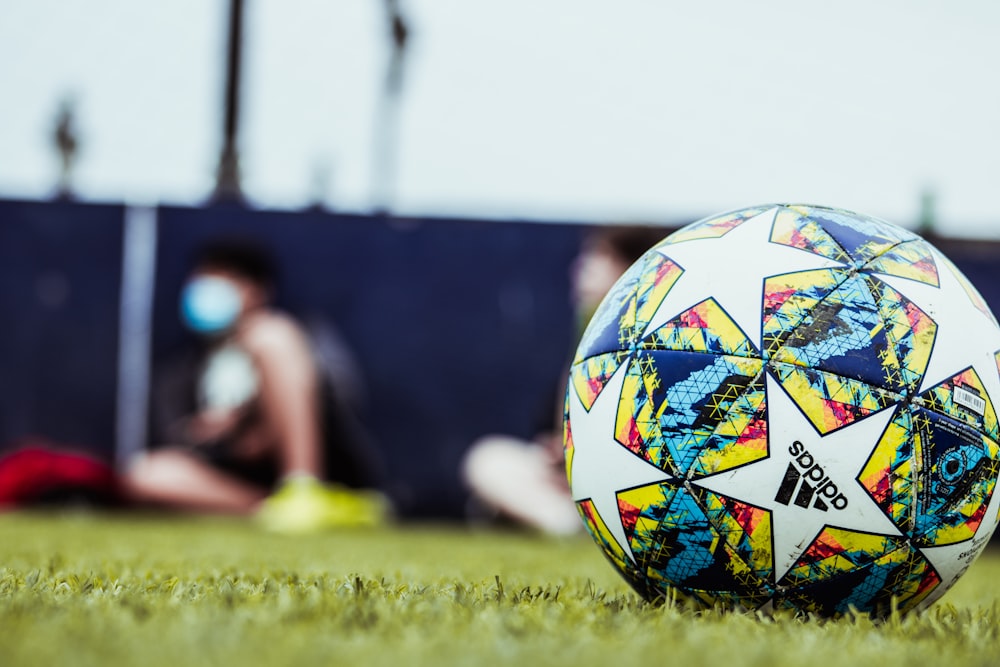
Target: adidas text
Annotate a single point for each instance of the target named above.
(806, 483)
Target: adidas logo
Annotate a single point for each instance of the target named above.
(808, 483)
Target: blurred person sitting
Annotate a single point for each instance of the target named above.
(247, 422)
(525, 481)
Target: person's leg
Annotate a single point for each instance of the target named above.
(287, 429)
(516, 478)
(171, 478)
(288, 396)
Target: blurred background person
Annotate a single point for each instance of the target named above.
(524, 481)
(246, 421)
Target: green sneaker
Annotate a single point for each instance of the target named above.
(305, 504)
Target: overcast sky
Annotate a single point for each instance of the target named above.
(560, 109)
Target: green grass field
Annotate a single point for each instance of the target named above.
(98, 590)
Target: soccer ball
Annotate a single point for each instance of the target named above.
(788, 407)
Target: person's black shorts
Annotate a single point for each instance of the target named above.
(220, 455)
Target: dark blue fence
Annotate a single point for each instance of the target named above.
(60, 278)
(461, 327)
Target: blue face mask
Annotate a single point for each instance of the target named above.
(210, 305)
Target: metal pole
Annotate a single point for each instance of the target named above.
(227, 185)
(387, 113)
(135, 331)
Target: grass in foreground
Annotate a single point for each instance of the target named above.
(97, 590)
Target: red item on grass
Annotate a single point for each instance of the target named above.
(37, 471)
